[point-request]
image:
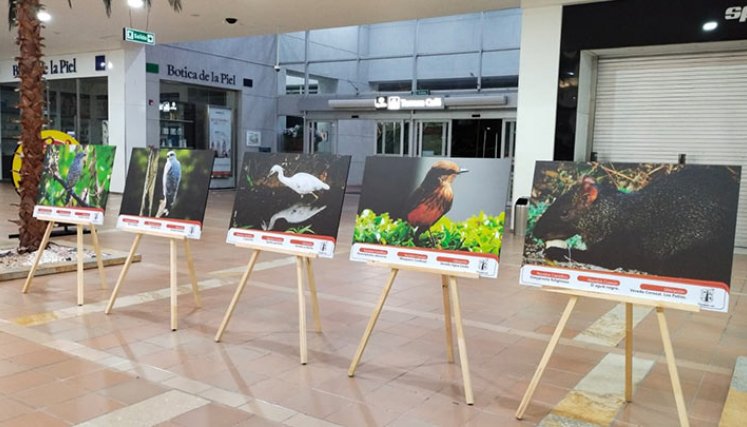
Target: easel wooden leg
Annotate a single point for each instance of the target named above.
(123, 273)
(546, 357)
(672, 365)
(236, 295)
(192, 274)
(301, 311)
(99, 260)
(173, 283)
(372, 323)
(80, 252)
(628, 352)
(38, 256)
(447, 319)
(461, 341)
(314, 298)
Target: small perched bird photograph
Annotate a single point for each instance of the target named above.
(454, 204)
(76, 176)
(168, 183)
(172, 176)
(291, 193)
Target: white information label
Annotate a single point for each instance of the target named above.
(73, 215)
(321, 246)
(708, 295)
(174, 227)
(482, 264)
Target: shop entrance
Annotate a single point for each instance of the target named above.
(198, 117)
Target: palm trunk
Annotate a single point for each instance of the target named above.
(31, 71)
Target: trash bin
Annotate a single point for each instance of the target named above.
(521, 211)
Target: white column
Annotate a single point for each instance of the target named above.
(127, 108)
(538, 92)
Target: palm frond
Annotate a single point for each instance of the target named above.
(107, 5)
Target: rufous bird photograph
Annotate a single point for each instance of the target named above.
(454, 204)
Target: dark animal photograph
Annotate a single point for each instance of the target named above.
(454, 204)
(291, 193)
(668, 220)
(167, 183)
(76, 176)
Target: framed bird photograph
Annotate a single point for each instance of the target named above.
(75, 182)
(281, 196)
(170, 185)
(447, 212)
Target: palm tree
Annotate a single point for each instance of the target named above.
(22, 13)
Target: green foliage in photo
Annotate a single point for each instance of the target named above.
(88, 181)
(480, 233)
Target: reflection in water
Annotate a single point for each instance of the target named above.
(299, 212)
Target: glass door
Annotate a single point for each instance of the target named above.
(321, 136)
(391, 137)
(433, 138)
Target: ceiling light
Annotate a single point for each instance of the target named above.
(43, 16)
(135, 4)
(710, 26)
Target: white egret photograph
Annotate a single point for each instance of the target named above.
(293, 193)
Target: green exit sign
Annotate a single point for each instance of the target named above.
(138, 36)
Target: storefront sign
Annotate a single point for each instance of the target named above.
(62, 67)
(201, 75)
(56, 66)
(395, 103)
(138, 36)
(736, 12)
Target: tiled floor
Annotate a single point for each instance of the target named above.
(64, 365)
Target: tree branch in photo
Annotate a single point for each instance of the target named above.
(69, 191)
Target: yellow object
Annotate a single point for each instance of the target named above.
(50, 137)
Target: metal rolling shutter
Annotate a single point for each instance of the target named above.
(650, 109)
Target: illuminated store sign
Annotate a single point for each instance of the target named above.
(401, 103)
(736, 12)
(56, 66)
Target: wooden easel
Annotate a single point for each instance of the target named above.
(172, 274)
(449, 289)
(80, 254)
(629, 301)
(303, 262)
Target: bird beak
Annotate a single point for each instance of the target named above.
(461, 171)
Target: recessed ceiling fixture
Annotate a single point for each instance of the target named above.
(43, 16)
(710, 26)
(135, 4)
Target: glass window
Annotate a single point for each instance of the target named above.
(391, 138)
(94, 111)
(292, 140)
(201, 117)
(10, 129)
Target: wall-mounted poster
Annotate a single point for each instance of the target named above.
(75, 183)
(290, 201)
(440, 213)
(656, 231)
(166, 191)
